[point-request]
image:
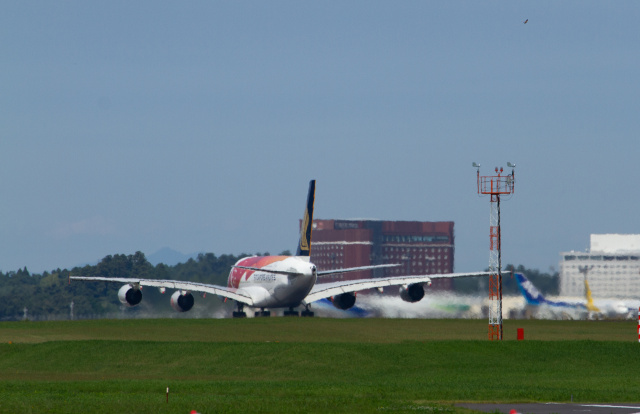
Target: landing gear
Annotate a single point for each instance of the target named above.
(263, 313)
(306, 313)
(240, 313)
(291, 312)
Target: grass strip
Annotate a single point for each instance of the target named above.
(111, 376)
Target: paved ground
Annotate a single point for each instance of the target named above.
(553, 408)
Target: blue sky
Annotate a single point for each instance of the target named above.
(197, 125)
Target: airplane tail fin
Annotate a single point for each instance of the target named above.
(304, 245)
(530, 292)
(587, 291)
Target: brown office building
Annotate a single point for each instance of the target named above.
(419, 247)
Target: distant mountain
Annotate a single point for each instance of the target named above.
(169, 257)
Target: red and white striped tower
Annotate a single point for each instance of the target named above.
(495, 186)
(638, 324)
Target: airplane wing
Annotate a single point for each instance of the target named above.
(325, 290)
(223, 291)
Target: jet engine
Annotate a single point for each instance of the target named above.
(182, 301)
(412, 293)
(129, 295)
(344, 301)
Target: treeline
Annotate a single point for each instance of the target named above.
(51, 296)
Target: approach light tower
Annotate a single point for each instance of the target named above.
(495, 186)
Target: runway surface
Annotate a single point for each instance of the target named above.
(554, 408)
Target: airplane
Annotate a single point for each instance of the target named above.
(269, 282)
(611, 308)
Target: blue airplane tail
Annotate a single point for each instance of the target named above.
(534, 297)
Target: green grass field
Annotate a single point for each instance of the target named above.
(309, 365)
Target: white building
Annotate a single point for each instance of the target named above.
(612, 266)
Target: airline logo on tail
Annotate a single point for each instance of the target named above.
(304, 242)
(530, 293)
(304, 245)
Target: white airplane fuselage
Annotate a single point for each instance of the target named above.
(269, 289)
